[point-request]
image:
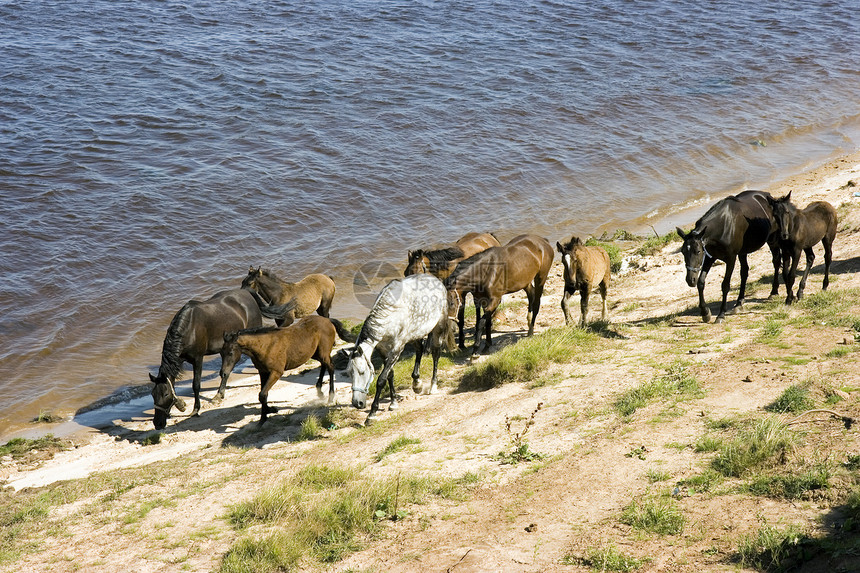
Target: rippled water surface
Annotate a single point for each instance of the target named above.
(151, 151)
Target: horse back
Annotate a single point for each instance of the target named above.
(738, 224)
(474, 243)
(594, 262)
(225, 311)
(815, 222)
(289, 347)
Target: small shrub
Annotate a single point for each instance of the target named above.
(754, 448)
(795, 398)
(311, 429)
(770, 548)
(708, 443)
(152, 439)
(659, 515)
(520, 451)
(793, 485)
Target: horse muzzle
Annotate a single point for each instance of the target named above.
(359, 399)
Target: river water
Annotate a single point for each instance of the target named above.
(151, 151)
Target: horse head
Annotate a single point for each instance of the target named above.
(164, 398)
(360, 370)
(784, 212)
(567, 261)
(250, 281)
(417, 263)
(694, 253)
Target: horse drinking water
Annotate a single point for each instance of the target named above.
(275, 350)
(441, 262)
(800, 230)
(407, 310)
(523, 263)
(197, 330)
(585, 268)
(730, 230)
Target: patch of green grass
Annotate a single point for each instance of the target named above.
(654, 514)
(792, 485)
(652, 245)
(152, 439)
(771, 330)
(20, 447)
(608, 558)
(831, 307)
(676, 381)
(796, 398)
(754, 448)
(525, 360)
(311, 429)
(770, 548)
(47, 417)
(708, 443)
(703, 482)
(399, 443)
(840, 351)
(322, 514)
(654, 475)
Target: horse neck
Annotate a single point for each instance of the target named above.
(271, 287)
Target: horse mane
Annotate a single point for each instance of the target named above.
(463, 267)
(171, 361)
(574, 241)
(375, 323)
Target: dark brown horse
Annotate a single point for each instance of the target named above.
(441, 262)
(800, 230)
(585, 269)
(313, 293)
(523, 263)
(197, 330)
(730, 230)
(274, 350)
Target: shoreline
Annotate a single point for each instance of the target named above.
(806, 185)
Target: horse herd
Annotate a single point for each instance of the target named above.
(427, 305)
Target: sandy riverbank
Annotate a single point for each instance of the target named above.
(459, 433)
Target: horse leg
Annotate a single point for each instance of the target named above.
(485, 323)
(700, 286)
(320, 394)
(435, 350)
(603, 293)
(329, 367)
(564, 305)
(461, 322)
(537, 292)
(195, 384)
(810, 257)
(828, 257)
(387, 374)
(583, 304)
(745, 271)
(775, 254)
(229, 358)
(790, 261)
(416, 369)
(727, 284)
(270, 379)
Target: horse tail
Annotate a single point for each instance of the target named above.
(447, 336)
(342, 332)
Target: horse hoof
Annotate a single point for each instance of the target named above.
(433, 390)
(393, 406)
(320, 394)
(417, 386)
(718, 320)
(370, 420)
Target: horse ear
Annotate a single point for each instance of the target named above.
(251, 270)
(559, 247)
(153, 379)
(681, 233)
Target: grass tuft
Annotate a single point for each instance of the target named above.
(677, 380)
(770, 548)
(795, 398)
(524, 360)
(396, 445)
(654, 514)
(770, 438)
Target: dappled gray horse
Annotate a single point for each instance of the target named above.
(407, 310)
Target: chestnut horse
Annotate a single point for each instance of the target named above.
(730, 230)
(274, 350)
(441, 262)
(800, 230)
(585, 269)
(523, 263)
(197, 330)
(313, 293)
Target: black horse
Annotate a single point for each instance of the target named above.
(731, 229)
(197, 330)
